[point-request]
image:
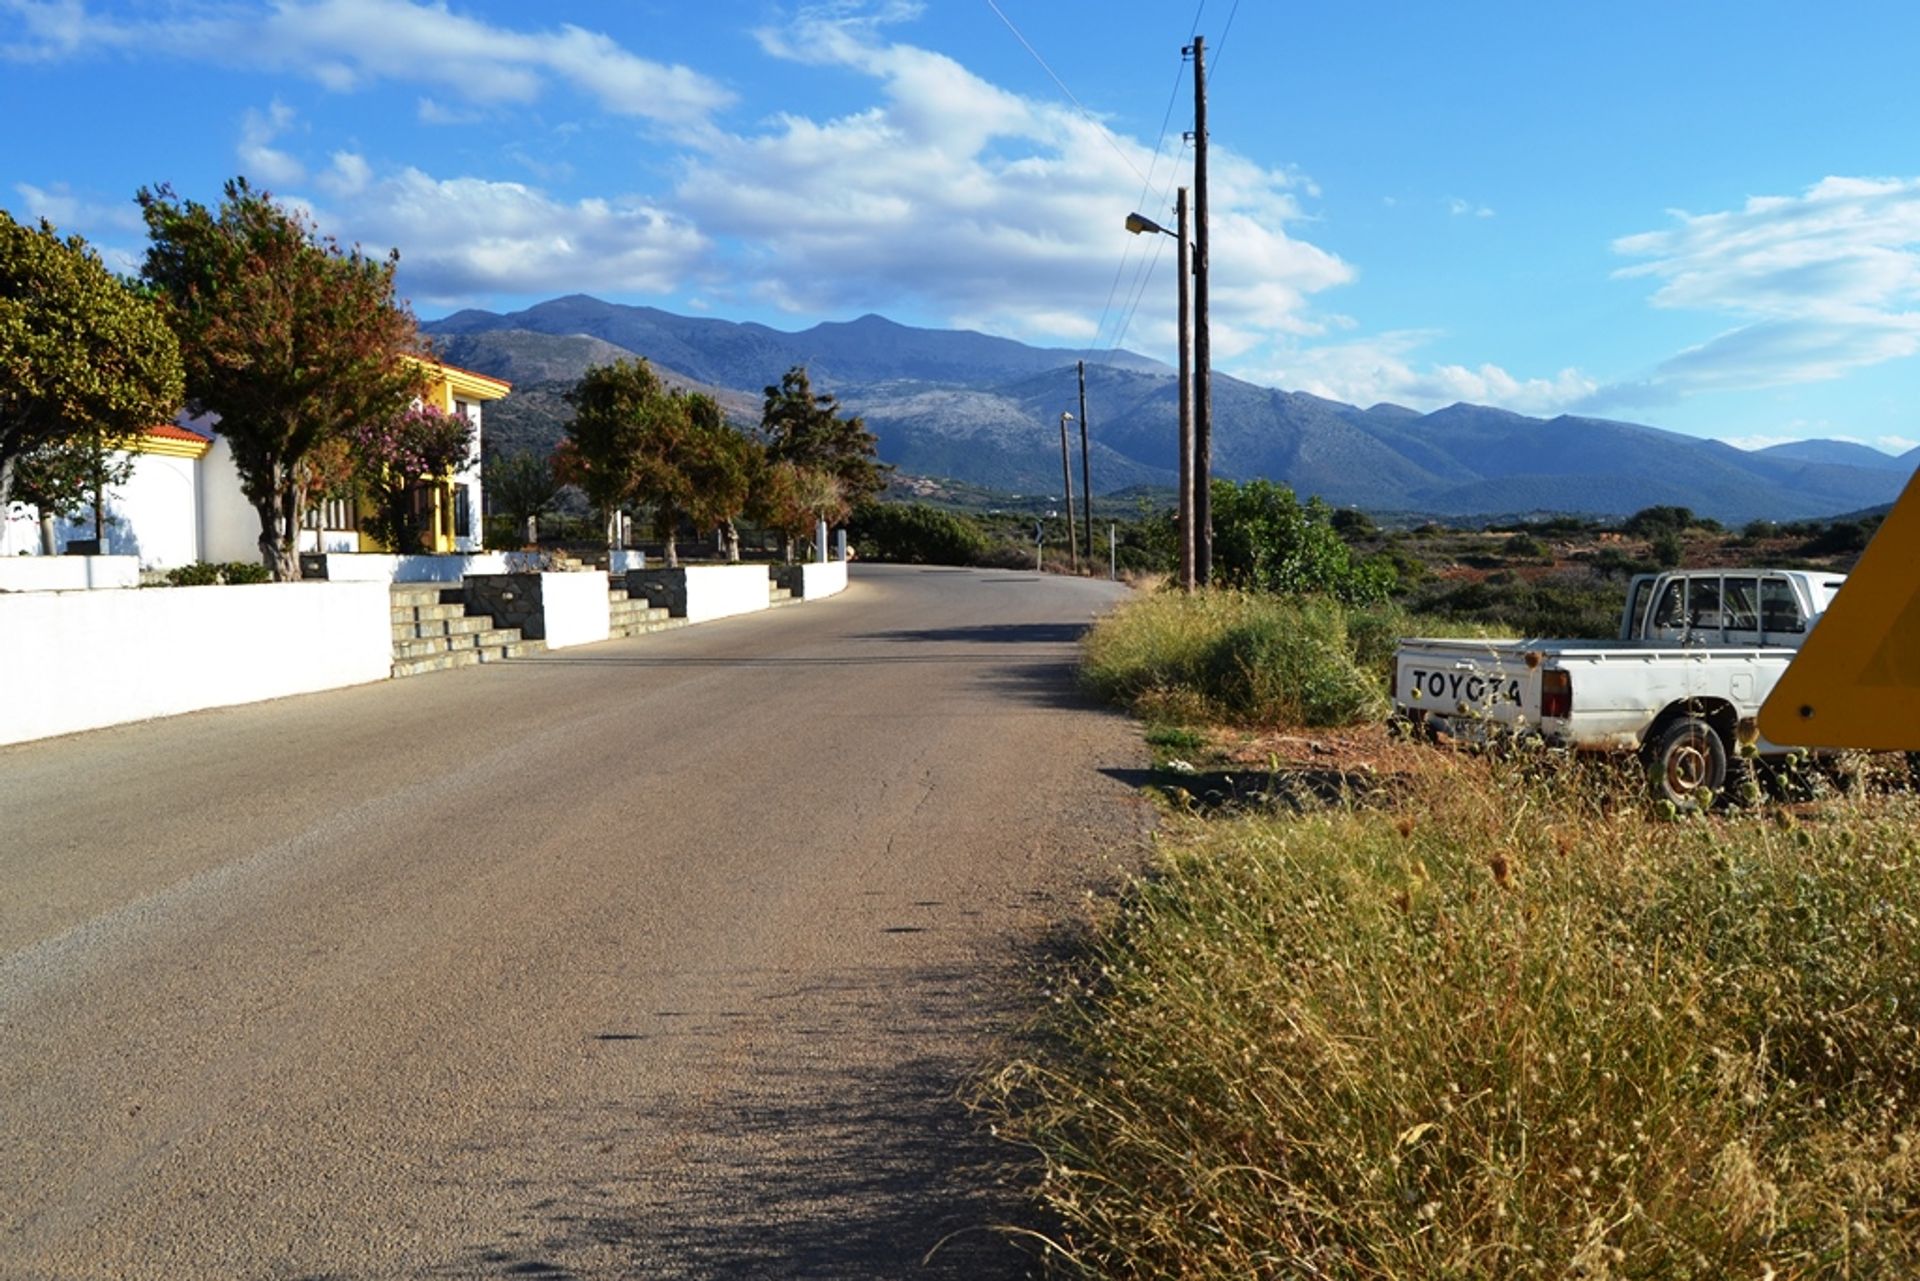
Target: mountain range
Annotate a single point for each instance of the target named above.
(984, 410)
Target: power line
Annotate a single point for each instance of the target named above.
(1105, 133)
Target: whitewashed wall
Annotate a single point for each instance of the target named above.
(229, 527)
(81, 660)
(721, 591)
(67, 573)
(822, 578)
(367, 567)
(19, 531)
(154, 516)
(575, 605)
(468, 478)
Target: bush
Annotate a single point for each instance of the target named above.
(1841, 538)
(915, 534)
(1234, 656)
(1667, 549)
(1264, 540)
(206, 574)
(1574, 605)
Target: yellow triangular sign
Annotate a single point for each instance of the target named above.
(1856, 680)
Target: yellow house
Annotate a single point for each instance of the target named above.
(452, 505)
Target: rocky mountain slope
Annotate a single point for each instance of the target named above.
(986, 411)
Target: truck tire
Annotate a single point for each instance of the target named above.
(1688, 761)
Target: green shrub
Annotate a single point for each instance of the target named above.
(915, 534)
(1242, 657)
(207, 574)
(1264, 540)
(1571, 604)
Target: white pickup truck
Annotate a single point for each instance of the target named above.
(1698, 652)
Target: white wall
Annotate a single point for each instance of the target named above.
(19, 531)
(67, 573)
(156, 514)
(80, 660)
(469, 477)
(823, 578)
(575, 606)
(229, 527)
(380, 567)
(720, 591)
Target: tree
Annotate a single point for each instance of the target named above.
(1264, 540)
(395, 454)
(791, 498)
(290, 339)
(722, 467)
(805, 428)
(522, 486)
(83, 357)
(632, 441)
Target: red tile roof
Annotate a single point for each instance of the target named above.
(167, 431)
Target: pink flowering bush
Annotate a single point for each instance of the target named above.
(396, 457)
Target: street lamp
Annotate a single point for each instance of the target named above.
(1066, 476)
(1189, 482)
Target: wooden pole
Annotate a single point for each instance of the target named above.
(1086, 479)
(1185, 273)
(1066, 479)
(1202, 344)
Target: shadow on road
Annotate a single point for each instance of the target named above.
(822, 1169)
(989, 634)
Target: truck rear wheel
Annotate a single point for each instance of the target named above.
(1689, 763)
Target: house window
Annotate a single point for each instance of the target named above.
(462, 511)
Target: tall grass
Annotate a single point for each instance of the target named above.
(1493, 1032)
(1247, 658)
(1231, 656)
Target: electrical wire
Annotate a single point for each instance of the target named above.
(1104, 131)
(1143, 273)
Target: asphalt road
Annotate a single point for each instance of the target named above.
(656, 958)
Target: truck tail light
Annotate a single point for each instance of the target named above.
(1556, 694)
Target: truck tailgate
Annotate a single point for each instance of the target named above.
(1470, 681)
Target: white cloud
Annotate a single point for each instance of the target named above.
(1897, 444)
(1818, 285)
(1371, 370)
(259, 159)
(1461, 208)
(993, 209)
(345, 44)
(348, 176)
(67, 210)
(461, 238)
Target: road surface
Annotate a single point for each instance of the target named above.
(657, 958)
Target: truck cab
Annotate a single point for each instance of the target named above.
(1726, 607)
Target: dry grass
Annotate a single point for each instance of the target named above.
(1509, 1026)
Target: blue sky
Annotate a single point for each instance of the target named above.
(1700, 216)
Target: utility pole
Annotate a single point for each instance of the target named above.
(1186, 397)
(1066, 478)
(1202, 345)
(1086, 477)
